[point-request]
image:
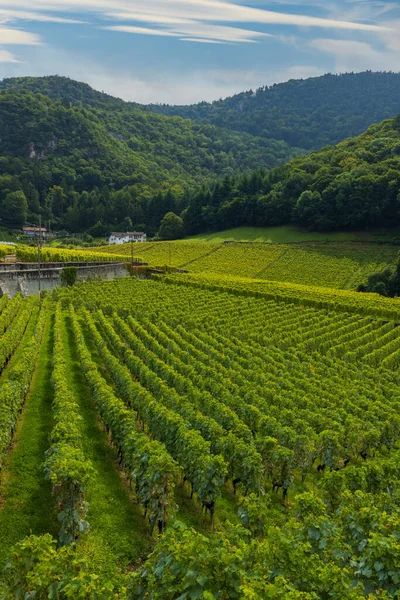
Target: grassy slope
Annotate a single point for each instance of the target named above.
(287, 234)
(26, 503)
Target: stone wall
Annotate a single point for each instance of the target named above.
(24, 277)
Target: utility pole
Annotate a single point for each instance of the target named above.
(132, 256)
(39, 242)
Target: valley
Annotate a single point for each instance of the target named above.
(212, 413)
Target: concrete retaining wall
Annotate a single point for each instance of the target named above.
(24, 277)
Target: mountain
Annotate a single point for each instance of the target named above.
(102, 149)
(82, 158)
(354, 185)
(307, 113)
(174, 147)
(64, 89)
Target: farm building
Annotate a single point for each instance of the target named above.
(129, 236)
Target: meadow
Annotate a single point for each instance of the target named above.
(202, 437)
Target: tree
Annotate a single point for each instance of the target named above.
(172, 227)
(126, 224)
(384, 283)
(307, 207)
(15, 209)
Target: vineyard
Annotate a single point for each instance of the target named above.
(30, 254)
(191, 435)
(4, 250)
(338, 265)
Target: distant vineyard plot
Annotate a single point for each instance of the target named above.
(339, 265)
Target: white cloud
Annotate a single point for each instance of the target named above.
(202, 40)
(191, 30)
(7, 57)
(17, 36)
(352, 55)
(344, 48)
(391, 39)
(203, 10)
(154, 85)
(8, 14)
(141, 30)
(148, 18)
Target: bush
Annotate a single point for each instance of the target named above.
(69, 276)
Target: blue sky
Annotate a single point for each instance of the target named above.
(184, 51)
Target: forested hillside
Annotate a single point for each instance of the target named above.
(304, 113)
(71, 162)
(354, 185)
(85, 160)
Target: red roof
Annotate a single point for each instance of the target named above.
(43, 229)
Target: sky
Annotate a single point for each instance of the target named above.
(186, 51)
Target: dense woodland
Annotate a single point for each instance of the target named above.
(354, 185)
(77, 166)
(304, 113)
(87, 161)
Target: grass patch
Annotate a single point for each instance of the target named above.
(273, 235)
(119, 536)
(286, 234)
(26, 502)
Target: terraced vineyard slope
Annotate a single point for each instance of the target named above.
(339, 265)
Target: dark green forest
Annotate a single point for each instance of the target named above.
(77, 165)
(307, 113)
(84, 160)
(354, 185)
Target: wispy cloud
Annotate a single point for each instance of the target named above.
(17, 36)
(10, 15)
(7, 57)
(141, 30)
(195, 31)
(196, 19)
(201, 40)
(352, 55)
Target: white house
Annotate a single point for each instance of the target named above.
(129, 236)
(35, 232)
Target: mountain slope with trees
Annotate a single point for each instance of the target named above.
(85, 160)
(352, 186)
(307, 113)
(71, 161)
